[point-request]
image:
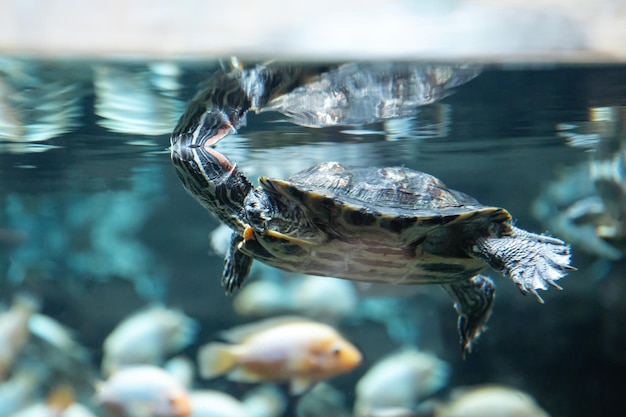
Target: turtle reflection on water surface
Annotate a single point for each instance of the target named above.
(392, 225)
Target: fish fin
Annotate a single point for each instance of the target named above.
(241, 333)
(266, 399)
(215, 359)
(137, 409)
(300, 385)
(243, 375)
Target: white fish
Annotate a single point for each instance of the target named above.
(40, 409)
(265, 401)
(323, 400)
(491, 401)
(18, 391)
(143, 391)
(43, 410)
(78, 410)
(324, 298)
(211, 403)
(56, 404)
(14, 331)
(147, 337)
(286, 349)
(394, 412)
(399, 381)
(262, 298)
(57, 335)
(181, 368)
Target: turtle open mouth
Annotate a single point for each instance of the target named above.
(220, 133)
(213, 126)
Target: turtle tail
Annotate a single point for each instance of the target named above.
(532, 261)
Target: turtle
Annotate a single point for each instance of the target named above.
(393, 225)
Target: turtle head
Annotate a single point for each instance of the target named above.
(201, 127)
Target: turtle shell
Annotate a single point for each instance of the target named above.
(345, 201)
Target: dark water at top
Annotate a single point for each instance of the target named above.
(96, 224)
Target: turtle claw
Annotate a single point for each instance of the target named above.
(534, 262)
(555, 285)
(537, 296)
(229, 282)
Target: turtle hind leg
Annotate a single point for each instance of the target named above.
(236, 265)
(532, 261)
(473, 300)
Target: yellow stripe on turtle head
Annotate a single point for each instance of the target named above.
(276, 186)
(288, 239)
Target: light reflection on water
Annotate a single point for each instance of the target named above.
(107, 226)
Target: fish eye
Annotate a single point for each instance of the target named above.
(336, 351)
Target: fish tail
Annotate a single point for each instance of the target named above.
(215, 359)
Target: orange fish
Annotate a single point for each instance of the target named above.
(291, 349)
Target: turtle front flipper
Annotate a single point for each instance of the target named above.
(236, 265)
(473, 299)
(532, 261)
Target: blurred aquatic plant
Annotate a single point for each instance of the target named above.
(94, 236)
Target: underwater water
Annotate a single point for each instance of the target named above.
(95, 225)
